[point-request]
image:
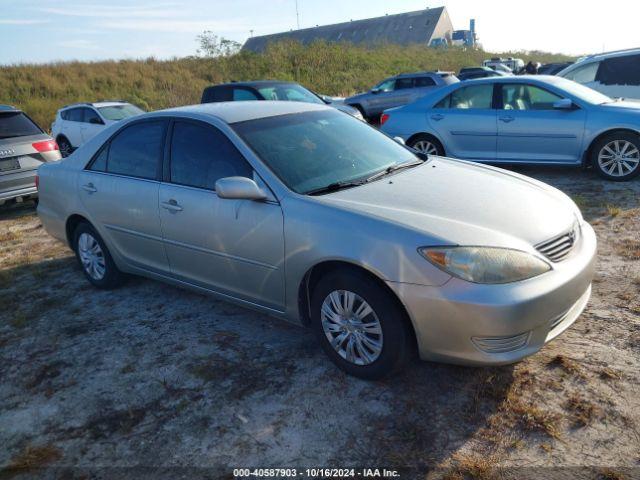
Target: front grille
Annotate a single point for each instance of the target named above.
(501, 344)
(559, 248)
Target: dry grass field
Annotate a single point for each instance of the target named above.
(150, 381)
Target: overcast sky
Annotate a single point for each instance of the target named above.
(48, 30)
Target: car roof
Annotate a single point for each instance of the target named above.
(402, 75)
(552, 79)
(603, 55)
(234, 112)
(103, 103)
(8, 108)
(256, 83)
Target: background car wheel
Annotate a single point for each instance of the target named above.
(65, 147)
(360, 325)
(361, 110)
(617, 156)
(95, 259)
(426, 144)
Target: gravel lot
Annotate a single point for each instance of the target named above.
(117, 384)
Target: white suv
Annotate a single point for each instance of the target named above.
(76, 124)
(616, 74)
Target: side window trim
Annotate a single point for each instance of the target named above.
(166, 170)
(107, 145)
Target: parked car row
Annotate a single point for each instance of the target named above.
(524, 119)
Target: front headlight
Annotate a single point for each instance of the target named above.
(488, 265)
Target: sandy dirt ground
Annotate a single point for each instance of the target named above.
(154, 381)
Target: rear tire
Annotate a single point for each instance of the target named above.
(94, 258)
(65, 146)
(426, 144)
(616, 156)
(360, 325)
(362, 112)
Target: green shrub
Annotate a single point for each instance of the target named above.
(329, 68)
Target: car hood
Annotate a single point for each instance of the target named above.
(628, 106)
(458, 203)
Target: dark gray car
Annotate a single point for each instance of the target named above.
(397, 91)
(23, 148)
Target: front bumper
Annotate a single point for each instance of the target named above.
(471, 324)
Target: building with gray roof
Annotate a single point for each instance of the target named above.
(419, 27)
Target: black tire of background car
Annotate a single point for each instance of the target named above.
(65, 146)
(398, 344)
(113, 277)
(428, 138)
(599, 145)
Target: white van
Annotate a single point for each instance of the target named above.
(616, 74)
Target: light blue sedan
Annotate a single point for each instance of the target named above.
(524, 120)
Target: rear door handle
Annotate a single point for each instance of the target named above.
(507, 119)
(89, 188)
(172, 206)
(437, 117)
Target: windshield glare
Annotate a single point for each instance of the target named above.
(120, 112)
(311, 150)
(291, 93)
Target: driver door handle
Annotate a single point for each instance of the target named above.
(172, 206)
(507, 119)
(437, 117)
(89, 188)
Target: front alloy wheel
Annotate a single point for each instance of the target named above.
(352, 327)
(360, 324)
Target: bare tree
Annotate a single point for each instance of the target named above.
(211, 45)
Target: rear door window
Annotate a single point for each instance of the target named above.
(404, 83)
(585, 73)
(473, 97)
(75, 115)
(424, 82)
(91, 116)
(136, 151)
(217, 94)
(620, 71)
(17, 124)
(243, 94)
(202, 154)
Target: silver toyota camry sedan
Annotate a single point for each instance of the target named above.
(308, 214)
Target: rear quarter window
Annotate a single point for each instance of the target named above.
(17, 124)
(620, 71)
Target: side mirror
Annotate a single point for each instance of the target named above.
(400, 140)
(96, 121)
(564, 104)
(239, 188)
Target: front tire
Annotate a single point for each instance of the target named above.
(360, 325)
(426, 144)
(616, 156)
(94, 258)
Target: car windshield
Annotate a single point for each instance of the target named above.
(313, 150)
(289, 92)
(17, 124)
(587, 94)
(120, 112)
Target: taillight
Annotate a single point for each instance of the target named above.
(37, 181)
(46, 146)
(383, 118)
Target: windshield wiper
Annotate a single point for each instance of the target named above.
(392, 169)
(334, 187)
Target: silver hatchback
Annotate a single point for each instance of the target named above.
(23, 148)
(308, 214)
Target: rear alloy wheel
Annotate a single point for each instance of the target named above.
(617, 157)
(360, 325)
(428, 145)
(65, 147)
(94, 258)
